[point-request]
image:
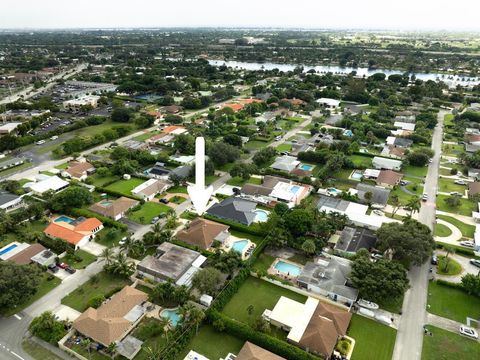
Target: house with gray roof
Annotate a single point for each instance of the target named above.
(379, 194)
(328, 277)
(234, 209)
(9, 201)
(353, 239)
(285, 163)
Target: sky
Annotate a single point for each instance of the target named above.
(320, 14)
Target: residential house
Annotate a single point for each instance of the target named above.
(183, 159)
(135, 145)
(8, 128)
(331, 104)
(150, 188)
(175, 130)
(473, 188)
(379, 195)
(9, 202)
(234, 106)
(350, 240)
(314, 325)
(386, 164)
(404, 125)
(171, 109)
(398, 142)
(76, 232)
(114, 209)
(25, 256)
(202, 233)
(44, 258)
(394, 152)
(171, 263)
(114, 319)
(250, 351)
(285, 163)
(78, 170)
(46, 183)
(388, 178)
(234, 209)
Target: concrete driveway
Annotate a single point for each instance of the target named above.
(464, 262)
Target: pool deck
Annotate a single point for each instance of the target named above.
(273, 271)
(228, 245)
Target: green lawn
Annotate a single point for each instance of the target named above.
(125, 187)
(284, 147)
(452, 303)
(14, 169)
(147, 212)
(212, 344)
(109, 236)
(101, 284)
(86, 259)
(442, 230)
(177, 189)
(92, 355)
(373, 341)
(452, 150)
(177, 199)
(62, 166)
(452, 266)
(238, 181)
(101, 181)
(263, 262)
(448, 186)
(361, 161)
(38, 352)
(445, 345)
(145, 136)
(255, 145)
(45, 287)
(465, 208)
(153, 340)
(466, 229)
(259, 293)
(415, 170)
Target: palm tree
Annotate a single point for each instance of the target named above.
(166, 235)
(112, 349)
(127, 245)
(448, 250)
(153, 353)
(196, 317)
(157, 231)
(86, 344)
(395, 201)
(122, 266)
(107, 255)
(413, 205)
(166, 325)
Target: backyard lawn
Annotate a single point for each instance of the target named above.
(442, 230)
(101, 284)
(125, 187)
(466, 229)
(99, 181)
(213, 344)
(263, 262)
(284, 147)
(259, 293)
(45, 286)
(255, 145)
(452, 303)
(147, 212)
(448, 186)
(465, 208)
(415, 170)
(361, 161)
(445, 345)
(373, 341)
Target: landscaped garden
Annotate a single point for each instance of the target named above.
(466, 229)
(79, 259)
(445, 345)
(465, 206)
(448, 266)
(442, 230)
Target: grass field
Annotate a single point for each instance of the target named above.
(284, 147)
(86, 257)
(38, 352)
(101, 181)
(445, 345)
(177, 189)
(373, 341)
(44, 287)
(452, 150)
(452, 303)
(125, 187)
(255, 145)
(466, 229)
(238, 181)
(259, 293)
(101, 284)
(415, 170)
(465, 208)
(15, 169)
(448, 185)
(263, 262)
(147, 212)
(442, 230)
(109, 238)
(361, 161)
(142, 333)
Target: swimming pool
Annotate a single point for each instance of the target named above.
(7, 249)
(356, 175)
(239, 245)
(306, 167)
(294, 189)
(288, 268)
(63, 218)
(334, 191)
(106, 203)
(261, 216)
(172, 315)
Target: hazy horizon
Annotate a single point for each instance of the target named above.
(410, 15)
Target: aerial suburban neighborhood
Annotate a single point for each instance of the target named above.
(341, 170)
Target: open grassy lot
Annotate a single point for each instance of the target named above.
(448, 185)
(178, 189)
(452, 303)
(442, 231)
(361, 161)
(445, 345)
(147, 212)
(466, 229)
(452, 149)
(284, 147)
(46, 286)
(38, 352)
(255, 145)
(465, 208)
(101, 284)
(238, 181)
(125, 187)
(109, 236)
(86, 259)
(101, 181)
(415, 170)
(259, 293)
(373, 341)
(212, 344)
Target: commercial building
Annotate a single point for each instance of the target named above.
(77, 104)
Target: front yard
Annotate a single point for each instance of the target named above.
(445, 345)
(466, 229)
(147, 212)
(84, 258)
(465, 208)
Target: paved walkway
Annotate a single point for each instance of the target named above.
(443, 323)
(466, 219)
(453, 237)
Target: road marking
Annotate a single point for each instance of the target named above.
(18, 356)
(12, 352)
(18, 317)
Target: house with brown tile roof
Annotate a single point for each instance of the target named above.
(203, 232)
(150, 188)
(388, 178)
(473, 188)
(235, 107)
(114, 209)
(250, 351)
(24, 257)
(113, 320)
(78, 170)
(76, 232)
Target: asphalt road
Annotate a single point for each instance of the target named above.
(409, 340)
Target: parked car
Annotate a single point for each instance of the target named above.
(155, 220)
(469, 244)
(53, 268)
(62, 265)
(468, 331)
(40, 142)
(460, 182)
(434, 260)
(164, 201)
(70, 270)
(277, 138)
(456, 193)
(378, 212)
(122, 241)
(424, 197)
(54, 137)
(403, 182)
(475, 262)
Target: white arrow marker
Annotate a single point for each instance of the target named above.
(198, 193)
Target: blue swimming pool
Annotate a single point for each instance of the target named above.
(239, 245)
(64, 219)
(172, 315)
(287, 268)
(261, 216)
(294, 189)
(306, 167)
(7, 249)
(356, 175)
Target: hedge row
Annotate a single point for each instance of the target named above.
(458, 249)
(231, 289)
(252, 229)
(304, 179)
(245, 332)
(449, 284)
(106, 221)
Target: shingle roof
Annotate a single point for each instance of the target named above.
(115, 208)
(77, 169)
(202, 232)
(251, 351)
(108, 323)
(389, 177)
(24, 256)
(234, 209)
(7, 197)
(379, 194)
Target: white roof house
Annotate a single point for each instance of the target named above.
(390, 140)
(404, 125)
(384, 163)
(183, 159)
(329, 103)
(476, 238)
(371, 173)
(285, 163)
(8, 127)
(289, 192)
(53, 183)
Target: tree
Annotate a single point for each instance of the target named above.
(280, 208)
(111, 349)
(107, 255)
(378, 281)
(309, 247)
(453, 201)
(413, 205)
(264, 156)
(86, 343)
(121, 115)
(233, 139)
(223, 153)
(368, 197)
(419, 157)
(207, 280)
(299, 221)
(17, 283)
(72, 197)
(47, 327)
(120, 266)
(243, 170)
(411, 243)
(471, 284)
(185, 144)
(448, 250)
(395, 202)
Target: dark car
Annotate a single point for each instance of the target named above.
(434, 260)
(53, 268)
(70, 270)
(164, 201)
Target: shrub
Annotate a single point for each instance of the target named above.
(96, 301)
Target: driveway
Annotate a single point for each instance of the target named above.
(93, 248)
(466, 266)
(453, 237)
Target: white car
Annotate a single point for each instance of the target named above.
(54, 137)
(469, 244)
(468, 331)
(367, 304)
(460, 182)
(40, 142)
